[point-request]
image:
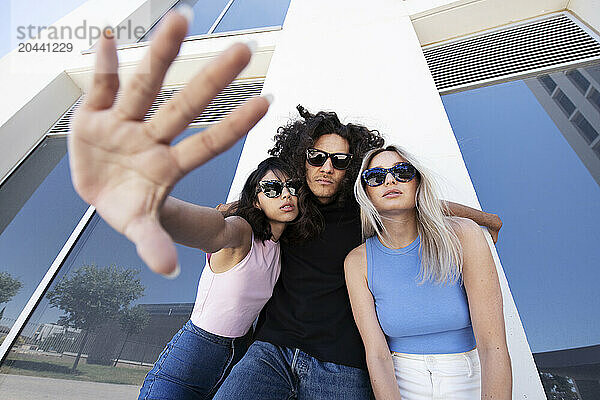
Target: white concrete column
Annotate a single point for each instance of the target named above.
(365, 63)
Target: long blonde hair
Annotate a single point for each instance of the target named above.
(440, 250)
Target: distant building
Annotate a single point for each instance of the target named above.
(109, 341)
(572, 99)
(47, 330)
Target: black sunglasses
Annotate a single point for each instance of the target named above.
(403, 172)
(273, 189)
(317, 158)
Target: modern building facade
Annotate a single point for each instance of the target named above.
(501, 99)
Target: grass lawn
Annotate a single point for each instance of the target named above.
(60, 367)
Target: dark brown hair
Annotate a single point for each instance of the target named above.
(291, 143)
(245, 206)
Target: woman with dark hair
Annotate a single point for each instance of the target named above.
(242, 266)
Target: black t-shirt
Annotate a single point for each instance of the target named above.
(310, 308)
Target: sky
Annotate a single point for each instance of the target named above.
(523, 169)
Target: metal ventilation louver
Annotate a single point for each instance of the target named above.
(527, 47)
(231, 97)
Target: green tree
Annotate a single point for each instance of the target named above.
(132, 320)
(92, 295)
(9, 287)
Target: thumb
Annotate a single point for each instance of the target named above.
(154, 245)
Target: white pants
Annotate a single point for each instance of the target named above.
(438, 376)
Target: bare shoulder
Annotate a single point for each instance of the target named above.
(356, 260)
(477, 257)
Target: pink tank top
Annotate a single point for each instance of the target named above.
(227, 303)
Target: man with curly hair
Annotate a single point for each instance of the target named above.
(307, 343)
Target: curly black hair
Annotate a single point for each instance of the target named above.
(291, 142)
(246, 208)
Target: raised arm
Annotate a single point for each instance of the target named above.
(126, 167)
(490, 221)
(204, 228)
(379, 358)
(485, 305)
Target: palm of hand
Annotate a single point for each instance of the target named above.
(125, 167)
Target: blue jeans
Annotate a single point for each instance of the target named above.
(193, 365)
(270, 372)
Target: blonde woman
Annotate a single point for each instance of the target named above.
(424, 290)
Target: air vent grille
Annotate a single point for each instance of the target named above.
(62, 125)
(231, 97)
(528, 47)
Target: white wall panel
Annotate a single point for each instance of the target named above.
(461, 18)
(588, 11)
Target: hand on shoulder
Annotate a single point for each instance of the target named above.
(467, 230)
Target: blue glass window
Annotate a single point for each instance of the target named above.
(564, 102)
(110, 354)
(594, 98)
(578, 80)
(548, 83)
(248, 14)
(241, 14)
(584, 126)
(39, 211)
(206, 13)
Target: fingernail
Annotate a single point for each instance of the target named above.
(269, 97)
(175, 272)
(252, 45)
(185, 10)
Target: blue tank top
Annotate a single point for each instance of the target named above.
(426, 318)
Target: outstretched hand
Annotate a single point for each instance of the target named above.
(126, 167)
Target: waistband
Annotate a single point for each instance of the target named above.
(470, 353)
(217, 338)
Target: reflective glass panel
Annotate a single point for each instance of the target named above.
(248, 14)
(534, 164)
(205, 15)
(38, 212)
(114, 348)
(578, 80)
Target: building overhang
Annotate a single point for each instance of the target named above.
(439, 21)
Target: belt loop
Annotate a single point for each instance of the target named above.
(469, 364)
(295, 358)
